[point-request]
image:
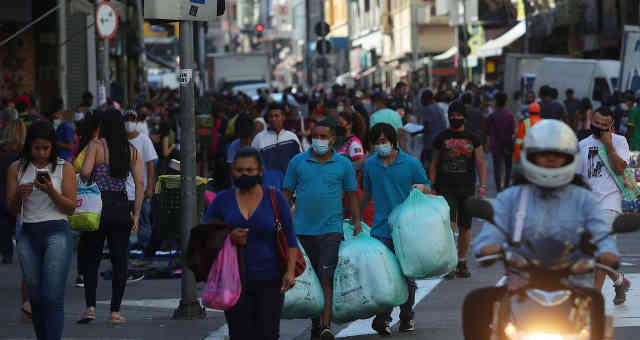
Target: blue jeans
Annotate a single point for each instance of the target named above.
(45, 250)
(145, 226)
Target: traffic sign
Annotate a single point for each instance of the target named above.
(106, 20)
(183, 10)
(322, 29)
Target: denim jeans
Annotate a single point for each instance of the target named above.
(145, 226)
(406, 309)
(45, 250)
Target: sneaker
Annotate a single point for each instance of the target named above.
(327, 334)
(381, 328)
(80, 282)
(407, 326)
(462, 271)
(621, 292)
(135, 277)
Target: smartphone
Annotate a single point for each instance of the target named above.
(42, 176)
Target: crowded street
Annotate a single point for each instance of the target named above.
(335, 169)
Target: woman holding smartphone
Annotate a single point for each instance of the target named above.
(41, 190)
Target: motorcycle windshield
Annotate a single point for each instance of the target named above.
(549, 250)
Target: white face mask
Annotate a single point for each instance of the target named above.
(131, 127)
(56, 123)
(78, 116)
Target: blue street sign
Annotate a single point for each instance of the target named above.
(201, 2)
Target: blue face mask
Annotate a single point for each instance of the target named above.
(384, 150)
(320, 146)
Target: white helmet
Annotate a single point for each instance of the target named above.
(552, 136)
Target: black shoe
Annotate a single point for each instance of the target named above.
(462, 271)
(79, 281)
(327, 334)
(382, 328)
(407, 326)
(621, 292)
(135, 277)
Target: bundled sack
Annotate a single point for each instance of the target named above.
(223, 287)
(347, 229)
(88, 208)
(306, 299)
(367, 280)
(422, 236)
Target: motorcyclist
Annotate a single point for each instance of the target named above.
(557, 209)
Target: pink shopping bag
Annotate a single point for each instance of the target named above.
(223, 284)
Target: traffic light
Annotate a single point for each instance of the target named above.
(259, 30)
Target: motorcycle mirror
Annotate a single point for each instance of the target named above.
(626, 223)
(479, 208)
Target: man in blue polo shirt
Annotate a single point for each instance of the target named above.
(389, 177)
(319, 177)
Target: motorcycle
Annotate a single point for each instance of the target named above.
(539, 301)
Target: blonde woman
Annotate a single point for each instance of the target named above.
(11, 144)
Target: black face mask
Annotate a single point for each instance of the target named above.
(246, 182)
(456, 123)
(597, 132)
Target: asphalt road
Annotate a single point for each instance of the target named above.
(149, 304)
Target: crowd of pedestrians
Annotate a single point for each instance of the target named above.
(348, 153)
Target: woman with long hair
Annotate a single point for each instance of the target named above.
(41, 189)
(108, 163)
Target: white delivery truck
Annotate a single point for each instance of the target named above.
(589, 78)
(243, 72)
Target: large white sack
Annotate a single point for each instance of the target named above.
(367, 280)
(422, 236)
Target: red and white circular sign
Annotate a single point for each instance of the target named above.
(106, 20)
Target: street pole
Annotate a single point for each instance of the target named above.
(142, 55)
(62, 53)
(307, 40)
(106, 67)
(204, 81)
(414, 45)
(189, 308)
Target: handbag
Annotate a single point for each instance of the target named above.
(281, 240)
(88, 209)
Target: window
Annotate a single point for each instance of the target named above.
(367, 5)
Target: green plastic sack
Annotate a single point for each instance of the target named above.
(306, 299)
(347, 229)
(422, 236)
(367, 280)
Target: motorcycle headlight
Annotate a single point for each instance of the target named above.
(543, 336)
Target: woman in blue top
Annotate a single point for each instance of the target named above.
(248, 208)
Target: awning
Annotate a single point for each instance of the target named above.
(447, 54)
(494, 47)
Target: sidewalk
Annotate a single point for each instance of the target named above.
(148, 306)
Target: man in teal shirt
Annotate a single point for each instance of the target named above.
(633, 131)
(389, 177)
(319, 177)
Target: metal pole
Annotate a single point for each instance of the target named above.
(189, 308)
(204, 81)
(142, 56)
(62, 52)
(307, 41)
(106, 67)
(414, 45)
